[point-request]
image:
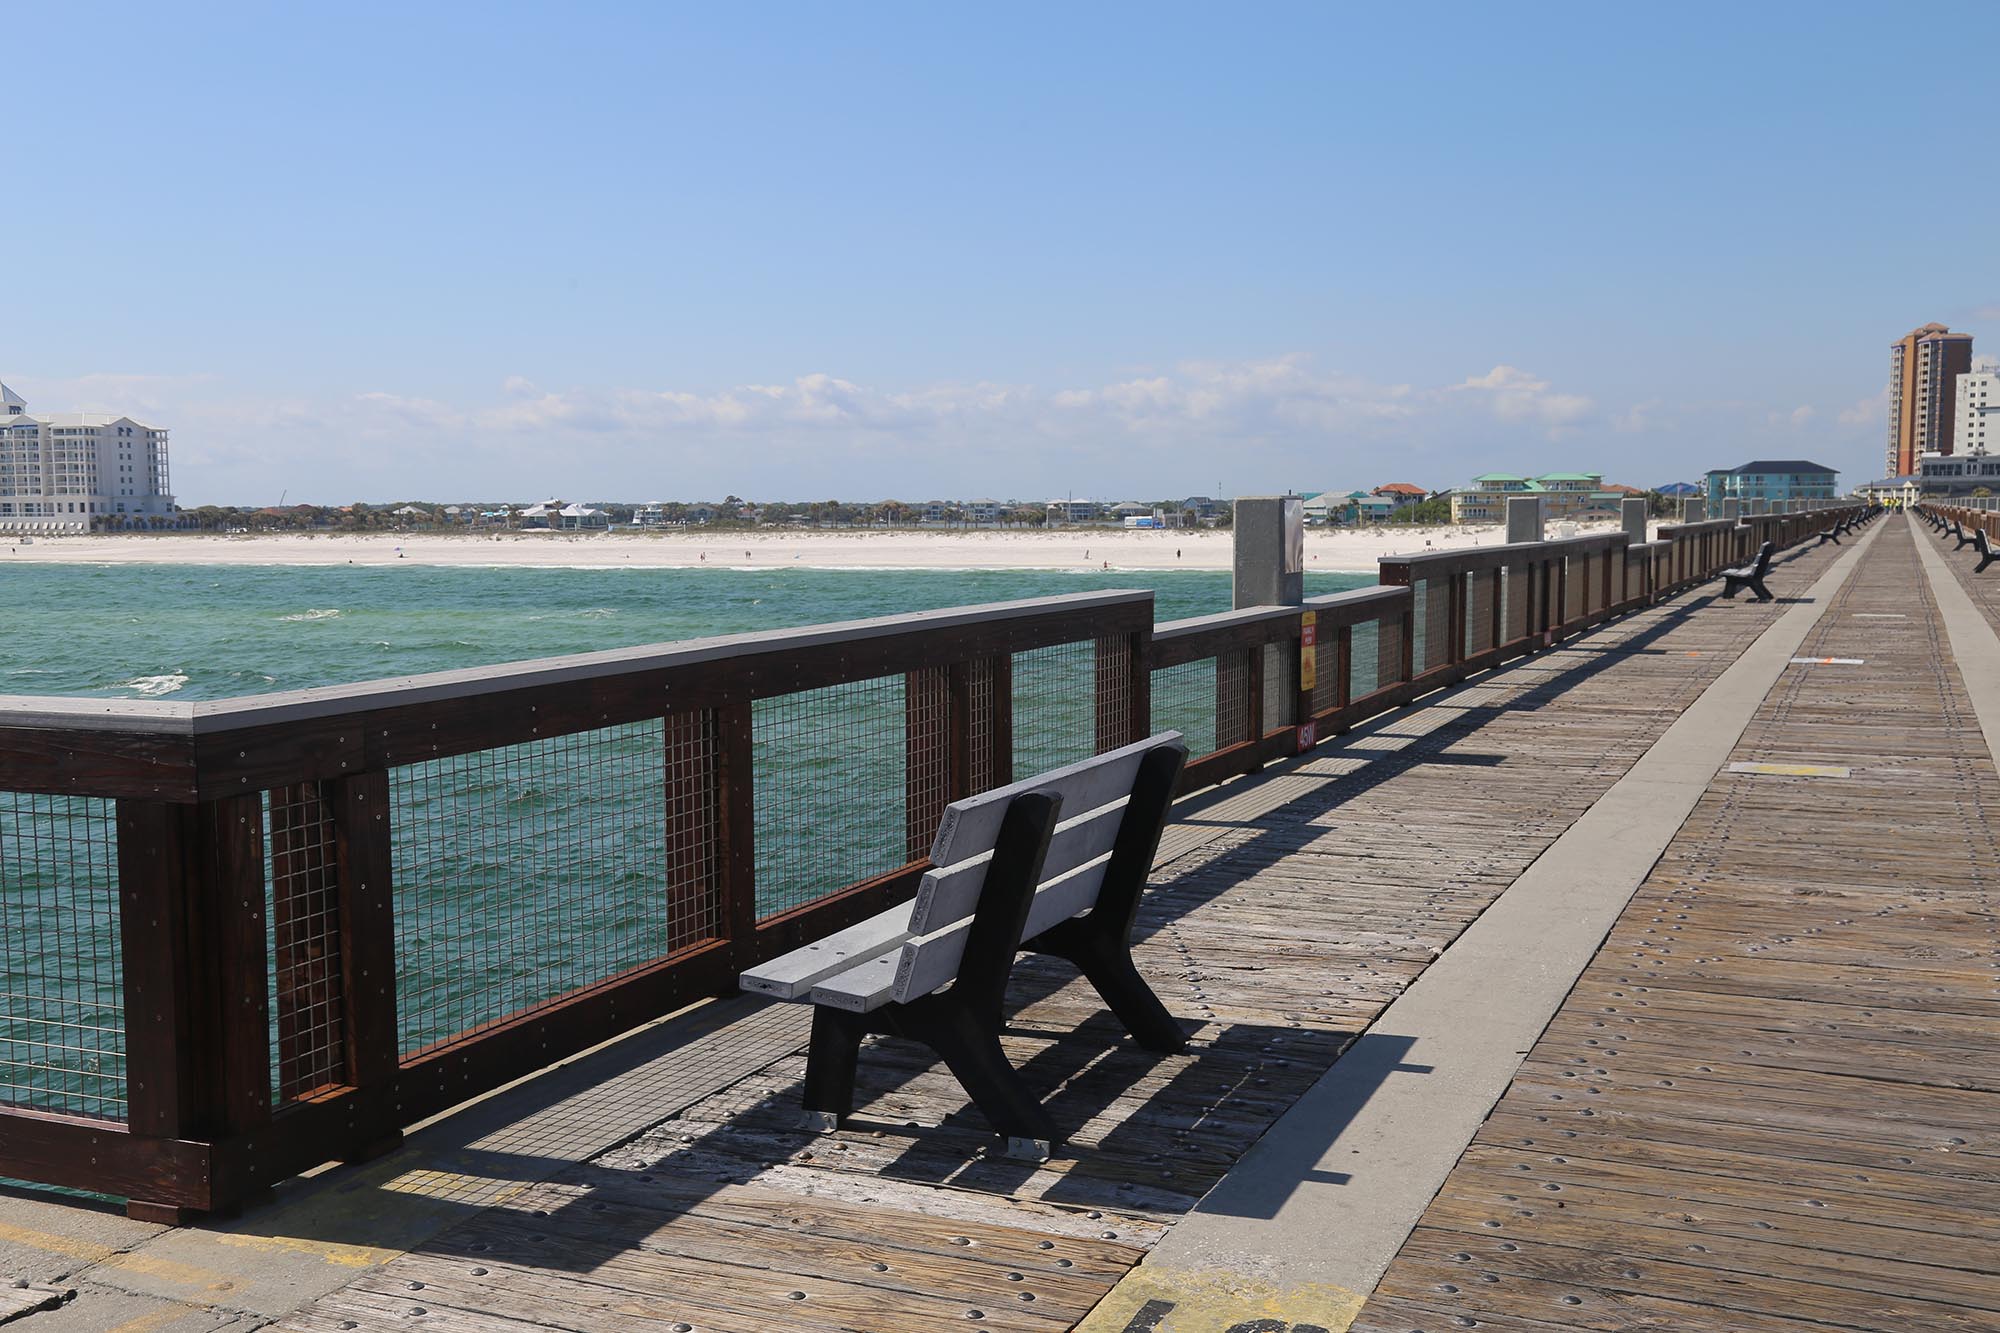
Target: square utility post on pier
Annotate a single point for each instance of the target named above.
(1632, 519)
(1732, 509)
(1524, 519)
(1270, 536)
(1695, 510)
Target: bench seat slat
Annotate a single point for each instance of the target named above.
(952, 894)
(790, 976)
(861, 989)
(926, 963)
(970, 826)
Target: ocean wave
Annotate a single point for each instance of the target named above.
(328, 614)
(152, 687)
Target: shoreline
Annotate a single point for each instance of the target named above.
(1340, 551)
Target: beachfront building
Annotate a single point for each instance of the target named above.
(1564, 495)
(1403, 493)
(1976, 412)
(1945, 476)
(1895, 491)
(983, 511)
(1924, 365)
(1348, 508)
(1072, 511)
(72, 471)
(1777, 480)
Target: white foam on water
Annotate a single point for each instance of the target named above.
(328, 614)
(152, 687)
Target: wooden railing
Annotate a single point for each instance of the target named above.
(1982, 520)
(249, 937)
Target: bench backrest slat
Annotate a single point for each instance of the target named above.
(1764, 553)
(930, 961)
(952, 892)
(970, 826)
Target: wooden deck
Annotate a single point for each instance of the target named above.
(1829, 1029)
(1770, 1103)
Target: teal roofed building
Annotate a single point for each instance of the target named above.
(1776, 480)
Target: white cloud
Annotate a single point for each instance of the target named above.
(1868, 411)
(1242, 426)
(1516, 395)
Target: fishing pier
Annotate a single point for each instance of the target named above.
(1559, 945)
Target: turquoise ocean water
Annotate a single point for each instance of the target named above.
(519, 873)
(164, 631)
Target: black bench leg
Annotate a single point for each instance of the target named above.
(1730, 587)
(1986, 560)
(1763, 593)
(830, 1065)
(971, 1050)
(1105, 959)
(1107, 964)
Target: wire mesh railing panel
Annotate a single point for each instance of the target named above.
(693, 865)
(1389, 652)
(1113, 688)
(1281, 684)
(308, 1023)
(62, 995)
(523, 873)
(1184, 701)
(1482, 588)
(1516, 593)
(1433, 625)
(982, 731)
(1232, 698)
(1364, 659)
(831, 789)
(926, 758)
(1055, 706)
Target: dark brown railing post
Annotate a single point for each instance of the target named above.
(363, 854)
(196, 989)
(1343, 666)
(1140, 693)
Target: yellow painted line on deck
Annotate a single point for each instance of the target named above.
(188, 1276)
(51, 1243)
(1152, 1299)
(153, 1319)
(1793, 770)
(333, 1252)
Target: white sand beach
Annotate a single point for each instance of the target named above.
(1329, 551)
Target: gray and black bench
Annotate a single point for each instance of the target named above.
(1831, 534)
(1750, 576)
(1981, 544)
(1054, 864)
(1964, 537)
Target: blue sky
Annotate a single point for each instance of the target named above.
(636, 251)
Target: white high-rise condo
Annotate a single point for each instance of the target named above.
(1976, 424)
(71, 471)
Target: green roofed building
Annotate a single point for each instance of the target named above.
(1565, 495)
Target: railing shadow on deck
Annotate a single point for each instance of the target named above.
(1086, 1067)
(283, 911)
